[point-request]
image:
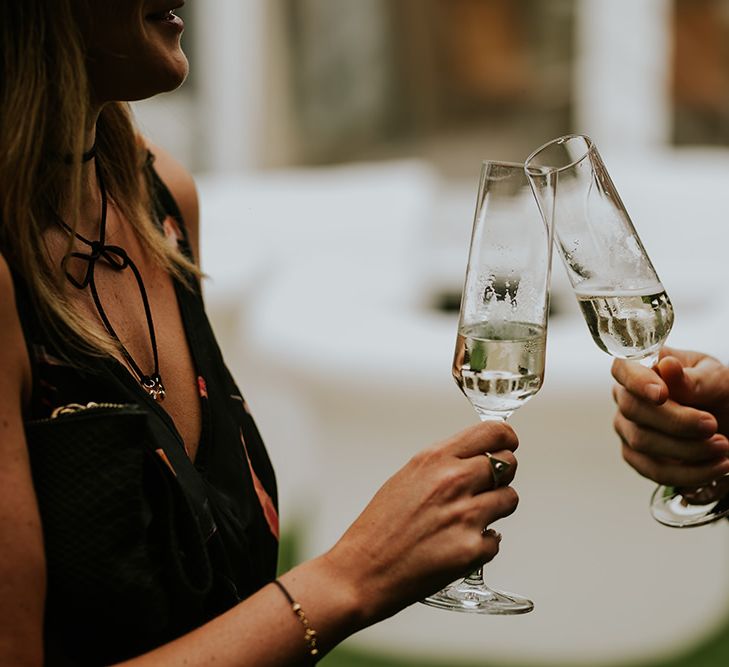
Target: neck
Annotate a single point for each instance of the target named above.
(90, 133)
(90, 196)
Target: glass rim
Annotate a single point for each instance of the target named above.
(518, 167)
(590, 149)
(504, 163)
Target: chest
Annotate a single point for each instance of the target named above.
(143, 309)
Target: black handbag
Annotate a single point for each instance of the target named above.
(125, 549)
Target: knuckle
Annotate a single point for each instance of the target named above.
(626, 402)
(426, 456)
(498, 435)
(418, 459)
(509, 437)
(659, 475)
(473, 544)
(653, 470)
(451, 478)
(627, 454)
(511, 497)
(639, 441)
(618, 425)
(506, 501)
(634, 460)
(467, 514)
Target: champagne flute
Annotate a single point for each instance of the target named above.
(500, 345)
(621, 297)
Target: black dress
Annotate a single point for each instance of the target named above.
(142, 544)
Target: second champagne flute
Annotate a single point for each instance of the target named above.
(502, 329)
(622, 299)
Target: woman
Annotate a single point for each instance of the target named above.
(138, 506)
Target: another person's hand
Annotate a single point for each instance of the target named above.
(428, 523)
(673, 420)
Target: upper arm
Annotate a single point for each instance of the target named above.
(22, 561)
(182, 186)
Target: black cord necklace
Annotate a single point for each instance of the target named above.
(86, 156)
(117, 258)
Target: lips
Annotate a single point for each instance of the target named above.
(166, 13)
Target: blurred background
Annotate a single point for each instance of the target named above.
(337, 146)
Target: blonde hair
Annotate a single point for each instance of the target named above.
(44, 112)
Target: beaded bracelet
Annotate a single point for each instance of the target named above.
(309, 632)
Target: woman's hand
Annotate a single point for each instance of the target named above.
(424, 528)
(427, 525)
(673, 420)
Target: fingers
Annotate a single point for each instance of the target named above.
(710, 493)
(671, 418)
(674, 473)
(709, 382)
(479, 543)
(656, 444)
(690, 385)
(680, 385)
(491, 541)
(484, 437)
(687, 358)
(473, 472)
(640, 381)
(494, 505)
(481, 471)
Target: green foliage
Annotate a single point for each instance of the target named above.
(712, 653)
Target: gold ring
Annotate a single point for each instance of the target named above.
(499, 468)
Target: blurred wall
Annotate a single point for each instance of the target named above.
(291, 82)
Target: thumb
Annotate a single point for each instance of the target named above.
(679, 380)
(697, 384)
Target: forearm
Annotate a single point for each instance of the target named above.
(263, 630)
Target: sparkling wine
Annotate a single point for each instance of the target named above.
(499, 366)
(629, 324)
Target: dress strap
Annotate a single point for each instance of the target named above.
(164, 205)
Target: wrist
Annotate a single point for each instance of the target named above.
(329, 597)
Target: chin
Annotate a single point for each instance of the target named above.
(142, 81)
(172, 76)
(161, 74)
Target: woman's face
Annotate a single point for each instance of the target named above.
(133, 47)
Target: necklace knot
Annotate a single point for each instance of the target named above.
(97, 248)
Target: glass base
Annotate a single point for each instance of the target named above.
(670, 508)
(472, 599)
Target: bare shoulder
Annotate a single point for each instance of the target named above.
(13, 353)
(182, 186)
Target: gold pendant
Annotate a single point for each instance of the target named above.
(154, 387)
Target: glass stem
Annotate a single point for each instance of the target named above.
(475, 579)
(651, 360)
(493, 416)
